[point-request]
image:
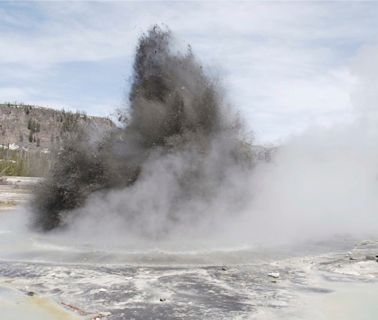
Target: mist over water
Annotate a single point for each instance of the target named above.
(180, 174)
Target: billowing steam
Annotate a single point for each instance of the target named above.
(178, 155)
(179, 171)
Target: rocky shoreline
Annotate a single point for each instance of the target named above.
(15, 191)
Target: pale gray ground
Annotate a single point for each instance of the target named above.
(96, 284)
(310, 281)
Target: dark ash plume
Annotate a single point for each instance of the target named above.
(180, 138)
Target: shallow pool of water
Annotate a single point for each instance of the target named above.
(346, 301)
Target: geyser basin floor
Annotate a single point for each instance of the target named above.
(274, 285)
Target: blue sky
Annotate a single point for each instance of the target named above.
(285, 65)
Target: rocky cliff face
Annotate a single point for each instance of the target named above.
(35, 128)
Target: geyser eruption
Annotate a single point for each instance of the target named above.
(179, 153)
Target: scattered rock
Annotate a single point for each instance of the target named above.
(224, 269)
(162, 299)
(101, 315)
(351, 256)
(274, 275)
(30, 293)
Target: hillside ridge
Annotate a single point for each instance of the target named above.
(30, 127)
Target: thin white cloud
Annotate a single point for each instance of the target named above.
(285, 64)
